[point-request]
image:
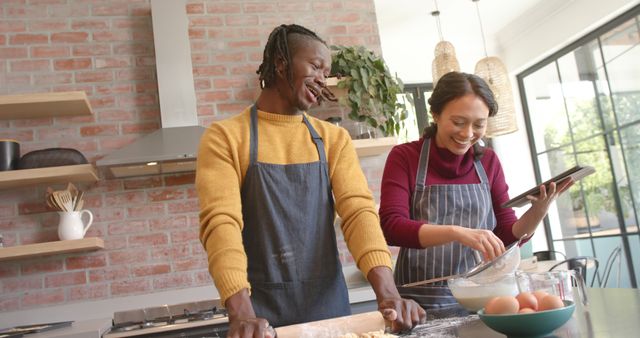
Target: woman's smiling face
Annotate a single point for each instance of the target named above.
(461, 123)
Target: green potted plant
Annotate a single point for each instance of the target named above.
(371, 89)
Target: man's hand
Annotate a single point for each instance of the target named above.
(242, 319)
(403, 314)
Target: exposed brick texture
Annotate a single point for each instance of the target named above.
(105, 48)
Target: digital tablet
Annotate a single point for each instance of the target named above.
(577, 173)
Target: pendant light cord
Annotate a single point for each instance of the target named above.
(484, 43)
(436, 14)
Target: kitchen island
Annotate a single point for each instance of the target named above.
(610, 313)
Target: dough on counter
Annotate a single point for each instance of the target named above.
(372, 334)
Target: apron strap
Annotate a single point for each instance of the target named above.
(421, 176)
(316, 139)
(253, 143)
(481, 173)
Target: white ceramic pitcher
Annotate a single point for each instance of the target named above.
(71, 225)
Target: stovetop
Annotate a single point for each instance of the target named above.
(171, 320)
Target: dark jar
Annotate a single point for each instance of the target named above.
(9, 154)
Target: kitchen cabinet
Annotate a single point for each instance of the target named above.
(40, 105)
(50, 248)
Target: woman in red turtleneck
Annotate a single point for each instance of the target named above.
(441, 195)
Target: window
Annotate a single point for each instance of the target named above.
(415, 98)
(582, 106)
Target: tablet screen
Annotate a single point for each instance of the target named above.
(577, 173)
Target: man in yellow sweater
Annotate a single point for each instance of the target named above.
(268, 180)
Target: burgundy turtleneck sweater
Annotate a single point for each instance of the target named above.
(399, 181)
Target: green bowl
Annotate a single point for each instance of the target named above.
(535, 324)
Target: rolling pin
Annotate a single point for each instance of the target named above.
(334, 327)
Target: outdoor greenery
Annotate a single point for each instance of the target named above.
(590, 148)
(372, 90)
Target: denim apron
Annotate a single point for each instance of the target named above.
(466, 205)
(293, 262)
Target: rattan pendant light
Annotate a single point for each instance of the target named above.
(492, 70)
(445, 55)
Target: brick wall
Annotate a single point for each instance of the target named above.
(105, 48)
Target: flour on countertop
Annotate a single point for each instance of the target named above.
(439, 328)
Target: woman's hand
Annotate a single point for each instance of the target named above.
(529, 221)
(540, 203)
(484, 241)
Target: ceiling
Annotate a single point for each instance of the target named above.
(408, 26)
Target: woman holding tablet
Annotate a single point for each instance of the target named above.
(441, 195)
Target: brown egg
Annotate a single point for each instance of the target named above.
(526, 310)
(527, 300)
(550, 302)
(489, 303)
(539, 294)
(502, 305)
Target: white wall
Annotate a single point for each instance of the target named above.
(542, 28)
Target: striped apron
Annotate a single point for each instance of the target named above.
(466, 205)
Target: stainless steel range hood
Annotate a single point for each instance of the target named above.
(173, 148)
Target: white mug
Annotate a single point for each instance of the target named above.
(71, 225)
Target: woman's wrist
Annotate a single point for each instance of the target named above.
(432, 235)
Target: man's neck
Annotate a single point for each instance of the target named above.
(271, 101)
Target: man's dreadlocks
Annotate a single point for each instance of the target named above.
(277, 47)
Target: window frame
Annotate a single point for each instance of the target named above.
(553, 60)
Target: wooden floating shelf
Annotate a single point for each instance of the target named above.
(28, 106)
(62, 174)
(374, 146)
(332, 81)
(50, 248)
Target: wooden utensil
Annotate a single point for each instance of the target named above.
(79, 201)
(358, 323)
(51, 203)
(51, 200)
(73, 191)
(64, 200)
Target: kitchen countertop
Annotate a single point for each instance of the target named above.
(611, 313)
(93, 328)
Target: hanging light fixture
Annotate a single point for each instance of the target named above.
(494, 72)
(445, 55)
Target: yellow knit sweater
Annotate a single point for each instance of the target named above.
(223, 159)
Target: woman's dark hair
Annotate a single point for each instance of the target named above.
(455, 85)
(278, 48)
